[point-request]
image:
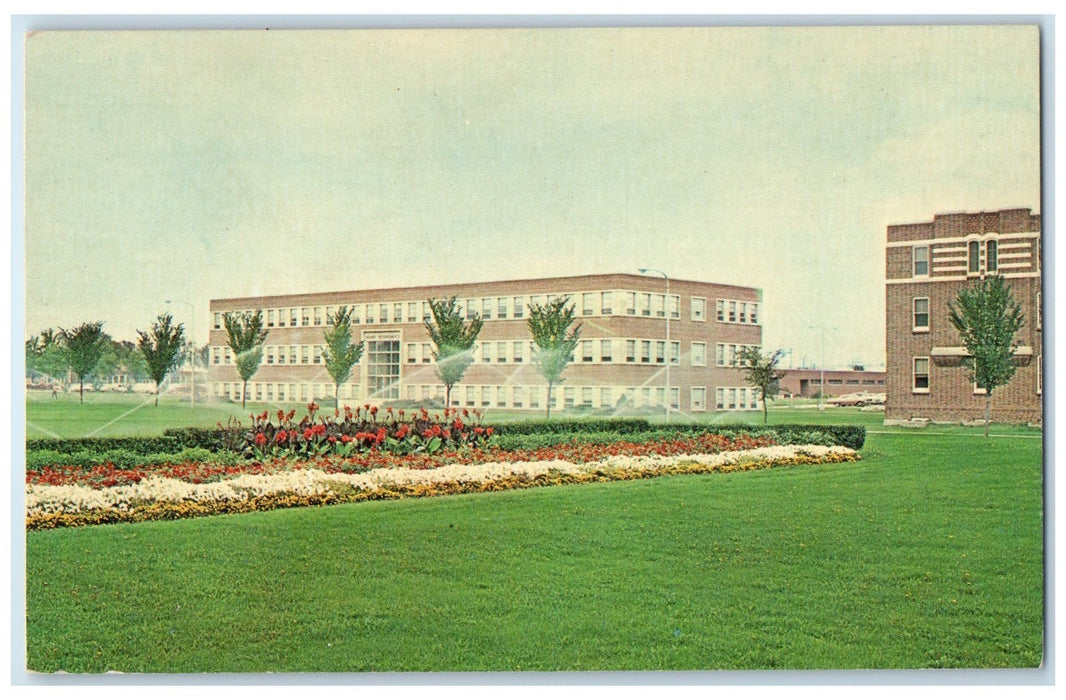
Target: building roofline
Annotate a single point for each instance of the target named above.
(524, 280)
(946, 214)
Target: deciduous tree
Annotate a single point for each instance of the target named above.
(760, 370)
(549, 324)
(341, 353)
(245, 336)
(82, 348)
(987, 317)
(161, 348)
(453, 339)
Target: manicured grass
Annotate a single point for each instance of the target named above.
(926, 554)
(121, 415)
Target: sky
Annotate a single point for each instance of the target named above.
(192, 165)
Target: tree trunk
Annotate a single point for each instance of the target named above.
(988, 411)
(447, 396)
(337, 396)
(244, 395)
(157, 394)
(765, 417)
(549, 404)
(81, 389)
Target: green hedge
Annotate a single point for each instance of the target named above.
(829, 435)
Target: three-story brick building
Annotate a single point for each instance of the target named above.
(927, 264)
(621, 358)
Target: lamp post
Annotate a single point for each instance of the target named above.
(192, 315)
(821, 363)
(666, 312)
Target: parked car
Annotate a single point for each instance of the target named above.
(861, 398)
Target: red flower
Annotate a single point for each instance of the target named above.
(308, 434)
(260, 439)
(345, 439)
(282, 436)
(488, 431)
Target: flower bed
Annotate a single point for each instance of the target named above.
(69, 497)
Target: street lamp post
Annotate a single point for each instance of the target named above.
(666, 312)
(192, 315)
(821, 363)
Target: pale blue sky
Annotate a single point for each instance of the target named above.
(196, 165)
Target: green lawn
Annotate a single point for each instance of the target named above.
(115, 415)
(928, 553)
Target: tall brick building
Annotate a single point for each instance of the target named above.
(926, 266)
(621, 358)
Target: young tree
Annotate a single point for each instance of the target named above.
(82, 348)
(245, 335)
(454, 339)
(549, 324)
(761, 372)
(161, 348)
(987, 317)
(340, 353)
(50, 359)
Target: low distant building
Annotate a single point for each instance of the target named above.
(927, 264)
(808, 382)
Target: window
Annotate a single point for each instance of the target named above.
(719, 399)
(501, 397)
(383, 313)
(645, 351)
(501, 352)
(921, 375)
(318, 315)
(397, 313)
(306, 316)
(673, 306)
(645, 304)
(471, 309)
(501, 307)
(586, 304)
(973, 265)
(753, 312)
(731, 404)
(660, 352)
(519, 396)
(270, 318)
(519, 311)
(305, 354)
(631, 351)
(486, 352)
(921, 260)
(218, 321)
(216, 355)
(675, 352)
(660, 305)
(320, 348)
(698, 355)
(743, 312)
(270, 354)
(412, 312)
(719, 357)
(356, 313)
(412, 353)
(586, 351)
(292, 318)
(568, 397)
(631, 303)
(991, 256)
(486, 309)
(699, 309)
(698, 398)
(719, 308)
(605, 350)
(675, 398)
(486, 396)
(369, 313)
(732, 312)
(921, 314)
(605, 396)
(427, 314)
(516, 349)
(427, 353)
(606, 299)
(586, 396)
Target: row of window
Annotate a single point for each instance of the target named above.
(615, 302)
(979, 258)
(501, 396)
(920, 376)
(604, 350)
